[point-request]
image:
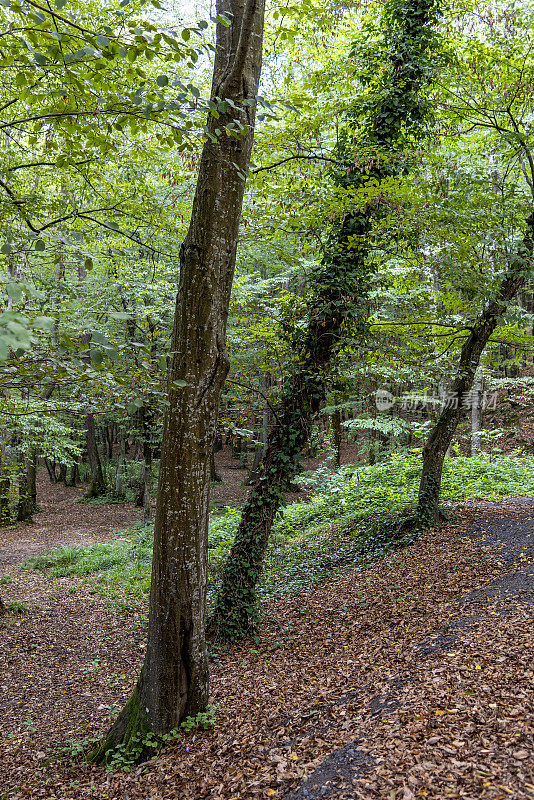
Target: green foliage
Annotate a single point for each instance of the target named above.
(124, 756)
(17, 607)
(204, 719)
(345, 527)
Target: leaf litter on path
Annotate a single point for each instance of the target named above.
(351, 664)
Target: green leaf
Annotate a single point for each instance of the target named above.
(43, 323)
(162, 80)
(14, 290)
(97, 356)
(40, 245)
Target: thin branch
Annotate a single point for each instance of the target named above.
(257, 391)
(293, 158)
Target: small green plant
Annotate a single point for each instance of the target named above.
(16, 607)
(5, 580)
(204, 719)
(92, 666)
(30, 725)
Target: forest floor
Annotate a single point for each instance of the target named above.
(62, 520)
(411, 678)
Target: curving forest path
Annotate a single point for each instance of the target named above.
(62, 521)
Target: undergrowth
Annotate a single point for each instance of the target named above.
(341, 528)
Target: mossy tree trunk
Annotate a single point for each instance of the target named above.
(338, 309)
(440, 438)
(301, 398)
(174, 676)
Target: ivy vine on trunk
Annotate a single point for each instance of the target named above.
(397, 114)
(439, 440)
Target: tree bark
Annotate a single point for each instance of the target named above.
(174, 676)
(476, 415)
(435, 449)
(5, 483)
(25, 505)
(98, 485)
(51, 469)
(336, 437)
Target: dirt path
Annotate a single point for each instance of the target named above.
(62, 522)
(512, 534)
(406, 680)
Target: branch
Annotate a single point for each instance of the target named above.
(292, 158)
(47, 164)
(257, 391)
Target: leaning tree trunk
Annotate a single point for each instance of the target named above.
(301, 398)
(337, 309)
(98, 485)
(174, 676)
(435, 449)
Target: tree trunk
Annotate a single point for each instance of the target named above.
(31, 472)
(119, 475)
(51, 469)
(476, 421)
(338, 305)
(147, 481)
(336, 437)
(214, 475)
(174, 677)
(73, 478)
(436, 447)
(98, 485)
(25, 506)
(5, 484)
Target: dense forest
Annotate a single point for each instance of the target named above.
(266, 399)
